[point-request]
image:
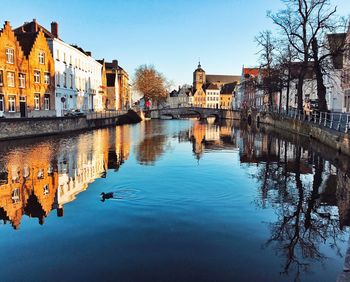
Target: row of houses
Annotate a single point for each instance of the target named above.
(337, 82)
(41, 75)
(207, 91)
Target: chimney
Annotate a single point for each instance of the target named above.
(115, 64)
(34, 26)
(54, 29)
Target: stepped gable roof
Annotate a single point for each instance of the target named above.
(215, 78)
(27, 40)
(32, 27)
(336, 43)
(110, 79)
(228, 88)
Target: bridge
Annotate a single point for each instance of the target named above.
(202, 113)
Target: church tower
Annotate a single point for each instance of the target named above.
(198, 77)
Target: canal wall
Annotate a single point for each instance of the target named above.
(30, 127)
(336, 140)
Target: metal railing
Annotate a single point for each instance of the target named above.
(331, 120)
(106, 114)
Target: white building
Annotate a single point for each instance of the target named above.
(78, 76)
(212, 93)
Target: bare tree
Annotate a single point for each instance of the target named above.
(151, 84)
(302, 21)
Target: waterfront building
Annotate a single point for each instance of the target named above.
(227, 94)
(124, 89)
(212, 93)
(77, 74)
(113, 93)
(345, 81)
(246, 95)
(309, 86)
(26, 74)
(208, 87)
(335, 94)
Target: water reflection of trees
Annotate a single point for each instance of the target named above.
(301, 187)
(153, 144)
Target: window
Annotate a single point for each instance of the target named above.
(22, 80)
(15, 196)
(36, 76)
(64, 57)
(10, 55)
(12, 103)
(37, 102)
(46, 190)
(47, 78)
(71, 81)
(57, 55)
(64, 80)
(1, 78)
(70, 60)
(47, 102)
(57, 78)
(41, 58)
(40, 174)
(10, 79)
(2, 106)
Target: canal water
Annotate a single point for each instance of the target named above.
(183, 201)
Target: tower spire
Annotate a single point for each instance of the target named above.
(199, 62)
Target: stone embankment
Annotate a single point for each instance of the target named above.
(32, 127)
(337, 140)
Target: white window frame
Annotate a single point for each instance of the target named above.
(11, 79)
(37, 77)
(47, 78)
(10, 55)
(21, 80)
(36, 101)
(12, 103)
(41, 58)
(46, 102)
(46, 190)
(16, 196)
(65, 80)
(57, 54)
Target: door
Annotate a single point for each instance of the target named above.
(23, 106)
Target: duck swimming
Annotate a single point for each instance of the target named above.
(106, 196)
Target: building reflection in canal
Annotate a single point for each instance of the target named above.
(46, 176)
(305, 185)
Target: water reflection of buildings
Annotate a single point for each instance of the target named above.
(210, 137)
(28, 185)
(36, 180)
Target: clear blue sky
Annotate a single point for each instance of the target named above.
(170, 34)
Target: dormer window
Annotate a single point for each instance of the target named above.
(41, 58)
(10, 54)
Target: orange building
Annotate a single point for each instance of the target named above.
(41, 72)
(26, 73)
(14, 83)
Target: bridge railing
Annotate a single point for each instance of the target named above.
(331, 120)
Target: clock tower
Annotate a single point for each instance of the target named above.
(198, 77)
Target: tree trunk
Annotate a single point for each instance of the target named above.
(321, 88)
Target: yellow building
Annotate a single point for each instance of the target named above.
(124, 89)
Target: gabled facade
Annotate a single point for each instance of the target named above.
(26, 74)
(212, 93)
